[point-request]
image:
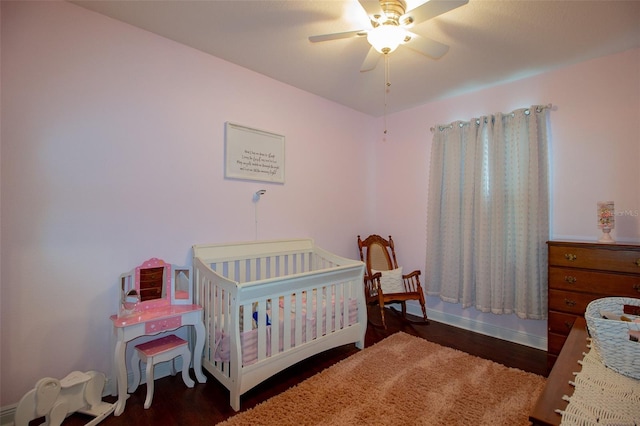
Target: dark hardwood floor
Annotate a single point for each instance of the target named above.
(175, 404)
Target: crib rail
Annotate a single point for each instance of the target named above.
(263, 260)
(211, 253)
(285, 304)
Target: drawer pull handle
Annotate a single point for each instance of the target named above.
(570, 279)
(569, 302)
(571, 257)
(637, 262)
(568, 324)
(636, 287)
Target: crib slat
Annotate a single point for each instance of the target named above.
(253, 270)
(344, 298)
(286, 317)
(298, 319)
(248, 266)
(219, 319)
(262, 265)
(271, 260)
(299, 264)
(261, 313)
(307, 334)
(246, 317)
(321, 311)
(287, 266)
(308, 260)
(275, 325)
(204, 299)
(281, 266)
(242, 268)
(338, 306)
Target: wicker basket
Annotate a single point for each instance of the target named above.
(611, 337)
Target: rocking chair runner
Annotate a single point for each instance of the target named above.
(380, 258)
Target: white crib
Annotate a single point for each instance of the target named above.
(315, 297)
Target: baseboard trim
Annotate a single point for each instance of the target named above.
(484, 328)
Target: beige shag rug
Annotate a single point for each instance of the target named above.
(404, 380)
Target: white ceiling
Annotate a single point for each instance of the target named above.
(491, 41)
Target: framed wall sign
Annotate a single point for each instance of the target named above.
(253, 154)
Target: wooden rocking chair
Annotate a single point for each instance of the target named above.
(383, 273)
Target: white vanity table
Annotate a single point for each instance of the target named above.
(169, 310)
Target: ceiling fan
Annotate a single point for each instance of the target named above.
(390, 23)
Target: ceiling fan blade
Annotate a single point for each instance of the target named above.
(337, 36)
(429, 10)
(426, 46)
(372, 7)
(371, 61)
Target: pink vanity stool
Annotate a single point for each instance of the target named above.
(166, 348)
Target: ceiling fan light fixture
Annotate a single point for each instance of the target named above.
(386, 38)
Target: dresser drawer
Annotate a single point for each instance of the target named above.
(601, 283)
(570, 302)
(605, 259)
(560, 322)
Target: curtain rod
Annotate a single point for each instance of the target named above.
(539, 108)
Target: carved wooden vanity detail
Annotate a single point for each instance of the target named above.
(580, 272)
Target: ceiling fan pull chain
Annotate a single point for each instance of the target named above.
(387, 85)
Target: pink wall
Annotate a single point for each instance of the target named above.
(595, 156)
(112, 152)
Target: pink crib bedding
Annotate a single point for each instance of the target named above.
(249, 339)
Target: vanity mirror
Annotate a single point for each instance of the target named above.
(181, 293)
(129, 297)
(129, 302)
(155, 283)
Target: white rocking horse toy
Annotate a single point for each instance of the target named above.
(57, 399)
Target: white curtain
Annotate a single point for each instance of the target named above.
(488, 213)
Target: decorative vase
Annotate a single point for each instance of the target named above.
(606, 220)
(606, 236)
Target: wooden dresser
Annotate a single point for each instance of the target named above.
(580, 272)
